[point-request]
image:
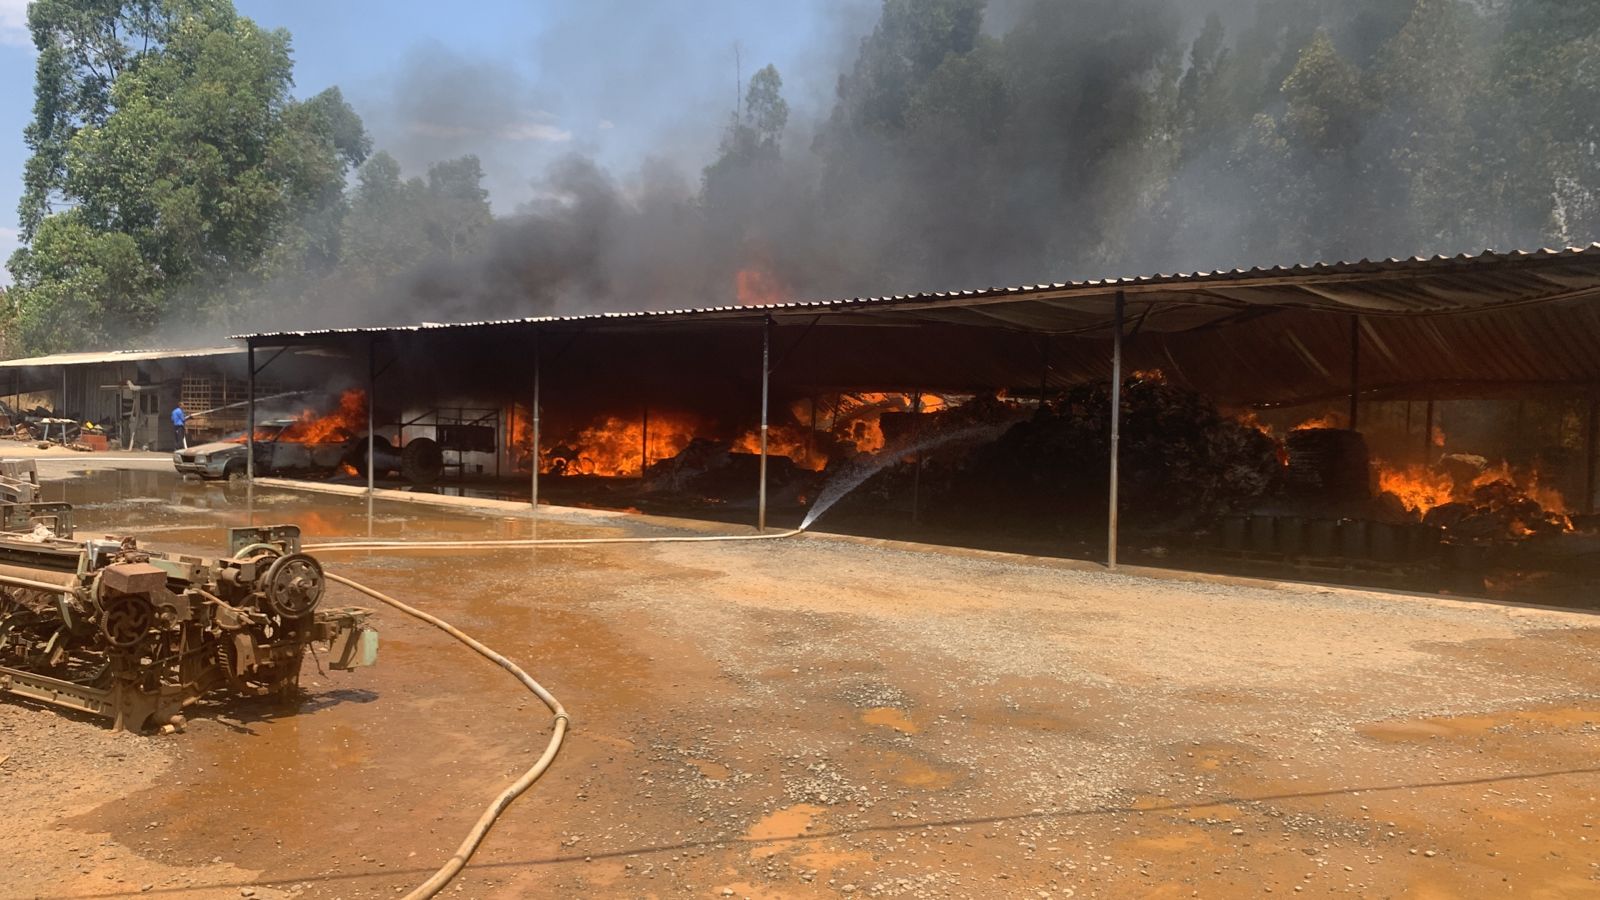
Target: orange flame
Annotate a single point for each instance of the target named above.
(757, 286)
(344, 423)
(1327, 420)
(1421, 488)
(1250, 419)
(1418, 487)
(348, 421)
(1527, 482)
(611, 446)
(786, 441)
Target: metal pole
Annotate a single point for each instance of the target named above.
(811, 438)
(372, 405)
(1427, 435)
(1589, 459)
(1355, 369)
(766, 377)
(916, 473)
(533, 413)
(1116, 432)
(250, 430)
(1044, 369)
(644, 441)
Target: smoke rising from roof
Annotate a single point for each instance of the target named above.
(967, 146)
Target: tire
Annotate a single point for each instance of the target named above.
(234, 470)
(421, 461)
(358, 453)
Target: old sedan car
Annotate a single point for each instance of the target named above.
(226, 459)
(279, 453)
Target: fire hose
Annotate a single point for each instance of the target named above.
(480, 829)
(381, 546)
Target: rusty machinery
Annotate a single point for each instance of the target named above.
(137, 635)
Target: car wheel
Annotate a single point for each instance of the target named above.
(421, 461)
(234, 470)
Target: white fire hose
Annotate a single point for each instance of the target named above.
(480, 829)
(384, 546)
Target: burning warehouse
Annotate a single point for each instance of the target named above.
(1369, 413)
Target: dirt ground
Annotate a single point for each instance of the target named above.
(816, 716)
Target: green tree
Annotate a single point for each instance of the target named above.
(1548, 75)
(83, 46)
(753, 135)
(1430, 82)
(1327, 104)
(394, 223)
(168, 127)
(911, 40)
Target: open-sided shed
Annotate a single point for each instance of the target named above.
(1495, 324)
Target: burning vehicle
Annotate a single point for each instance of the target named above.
(310, 444)
(277, 453)
(135, 635)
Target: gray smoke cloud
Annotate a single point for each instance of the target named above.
(1056, 140)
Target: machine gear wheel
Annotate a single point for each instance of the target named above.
(294, 585)
(125, 619)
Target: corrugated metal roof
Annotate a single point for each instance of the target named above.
(1390, 287)
(113, 356)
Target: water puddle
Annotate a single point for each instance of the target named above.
(711, 770)
(889, 717)
(787, 823)
(1455, 727)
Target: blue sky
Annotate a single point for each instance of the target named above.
(518, 83)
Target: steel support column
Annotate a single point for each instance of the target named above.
(1044, 369)
(1589, 461)
(766, 379)
(644, 441)
(1116, 432)
(372, 405)
(1355, 370)
(533, 415)
(1427, 435)
(916, 473)
(250, 428)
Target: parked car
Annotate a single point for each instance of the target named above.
(226, 458)
(420, 462)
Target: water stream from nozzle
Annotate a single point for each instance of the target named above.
(863, 466)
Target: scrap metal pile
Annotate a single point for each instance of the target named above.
(135, 635)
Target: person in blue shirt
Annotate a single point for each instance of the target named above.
(179, 418)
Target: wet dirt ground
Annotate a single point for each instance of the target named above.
(819, 716)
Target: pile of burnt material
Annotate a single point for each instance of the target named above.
(1327, 467)
(710, 469)
(1487, 505)
(1182, 462)
(1335, 504)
